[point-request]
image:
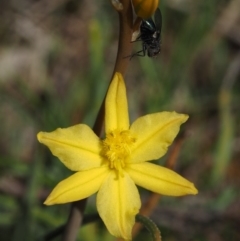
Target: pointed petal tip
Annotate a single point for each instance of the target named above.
(48, 201)
(51, 200)
(39, 136)
(196, 192)
(183, 117)
(118, 75)
(118, 80)
(192, 189)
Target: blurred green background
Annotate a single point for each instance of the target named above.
(56, 59)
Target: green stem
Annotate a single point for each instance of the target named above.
(150, 226)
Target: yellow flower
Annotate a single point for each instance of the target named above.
(114, 165)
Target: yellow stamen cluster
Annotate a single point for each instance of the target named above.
(116, 148)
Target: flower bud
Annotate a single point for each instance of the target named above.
(145, 8)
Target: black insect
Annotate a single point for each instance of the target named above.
(150, 35)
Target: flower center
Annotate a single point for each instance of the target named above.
(116, 147)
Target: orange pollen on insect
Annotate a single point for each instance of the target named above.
(116, 148)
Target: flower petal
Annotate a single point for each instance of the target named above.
(118, 202)
(78, 186)
(160, 179)
(145, 9)
(154, 133)
(116, 106)
(77, 147)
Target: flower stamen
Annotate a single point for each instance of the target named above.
(116, 148)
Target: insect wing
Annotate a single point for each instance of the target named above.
(158, 20)
(150, 25)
